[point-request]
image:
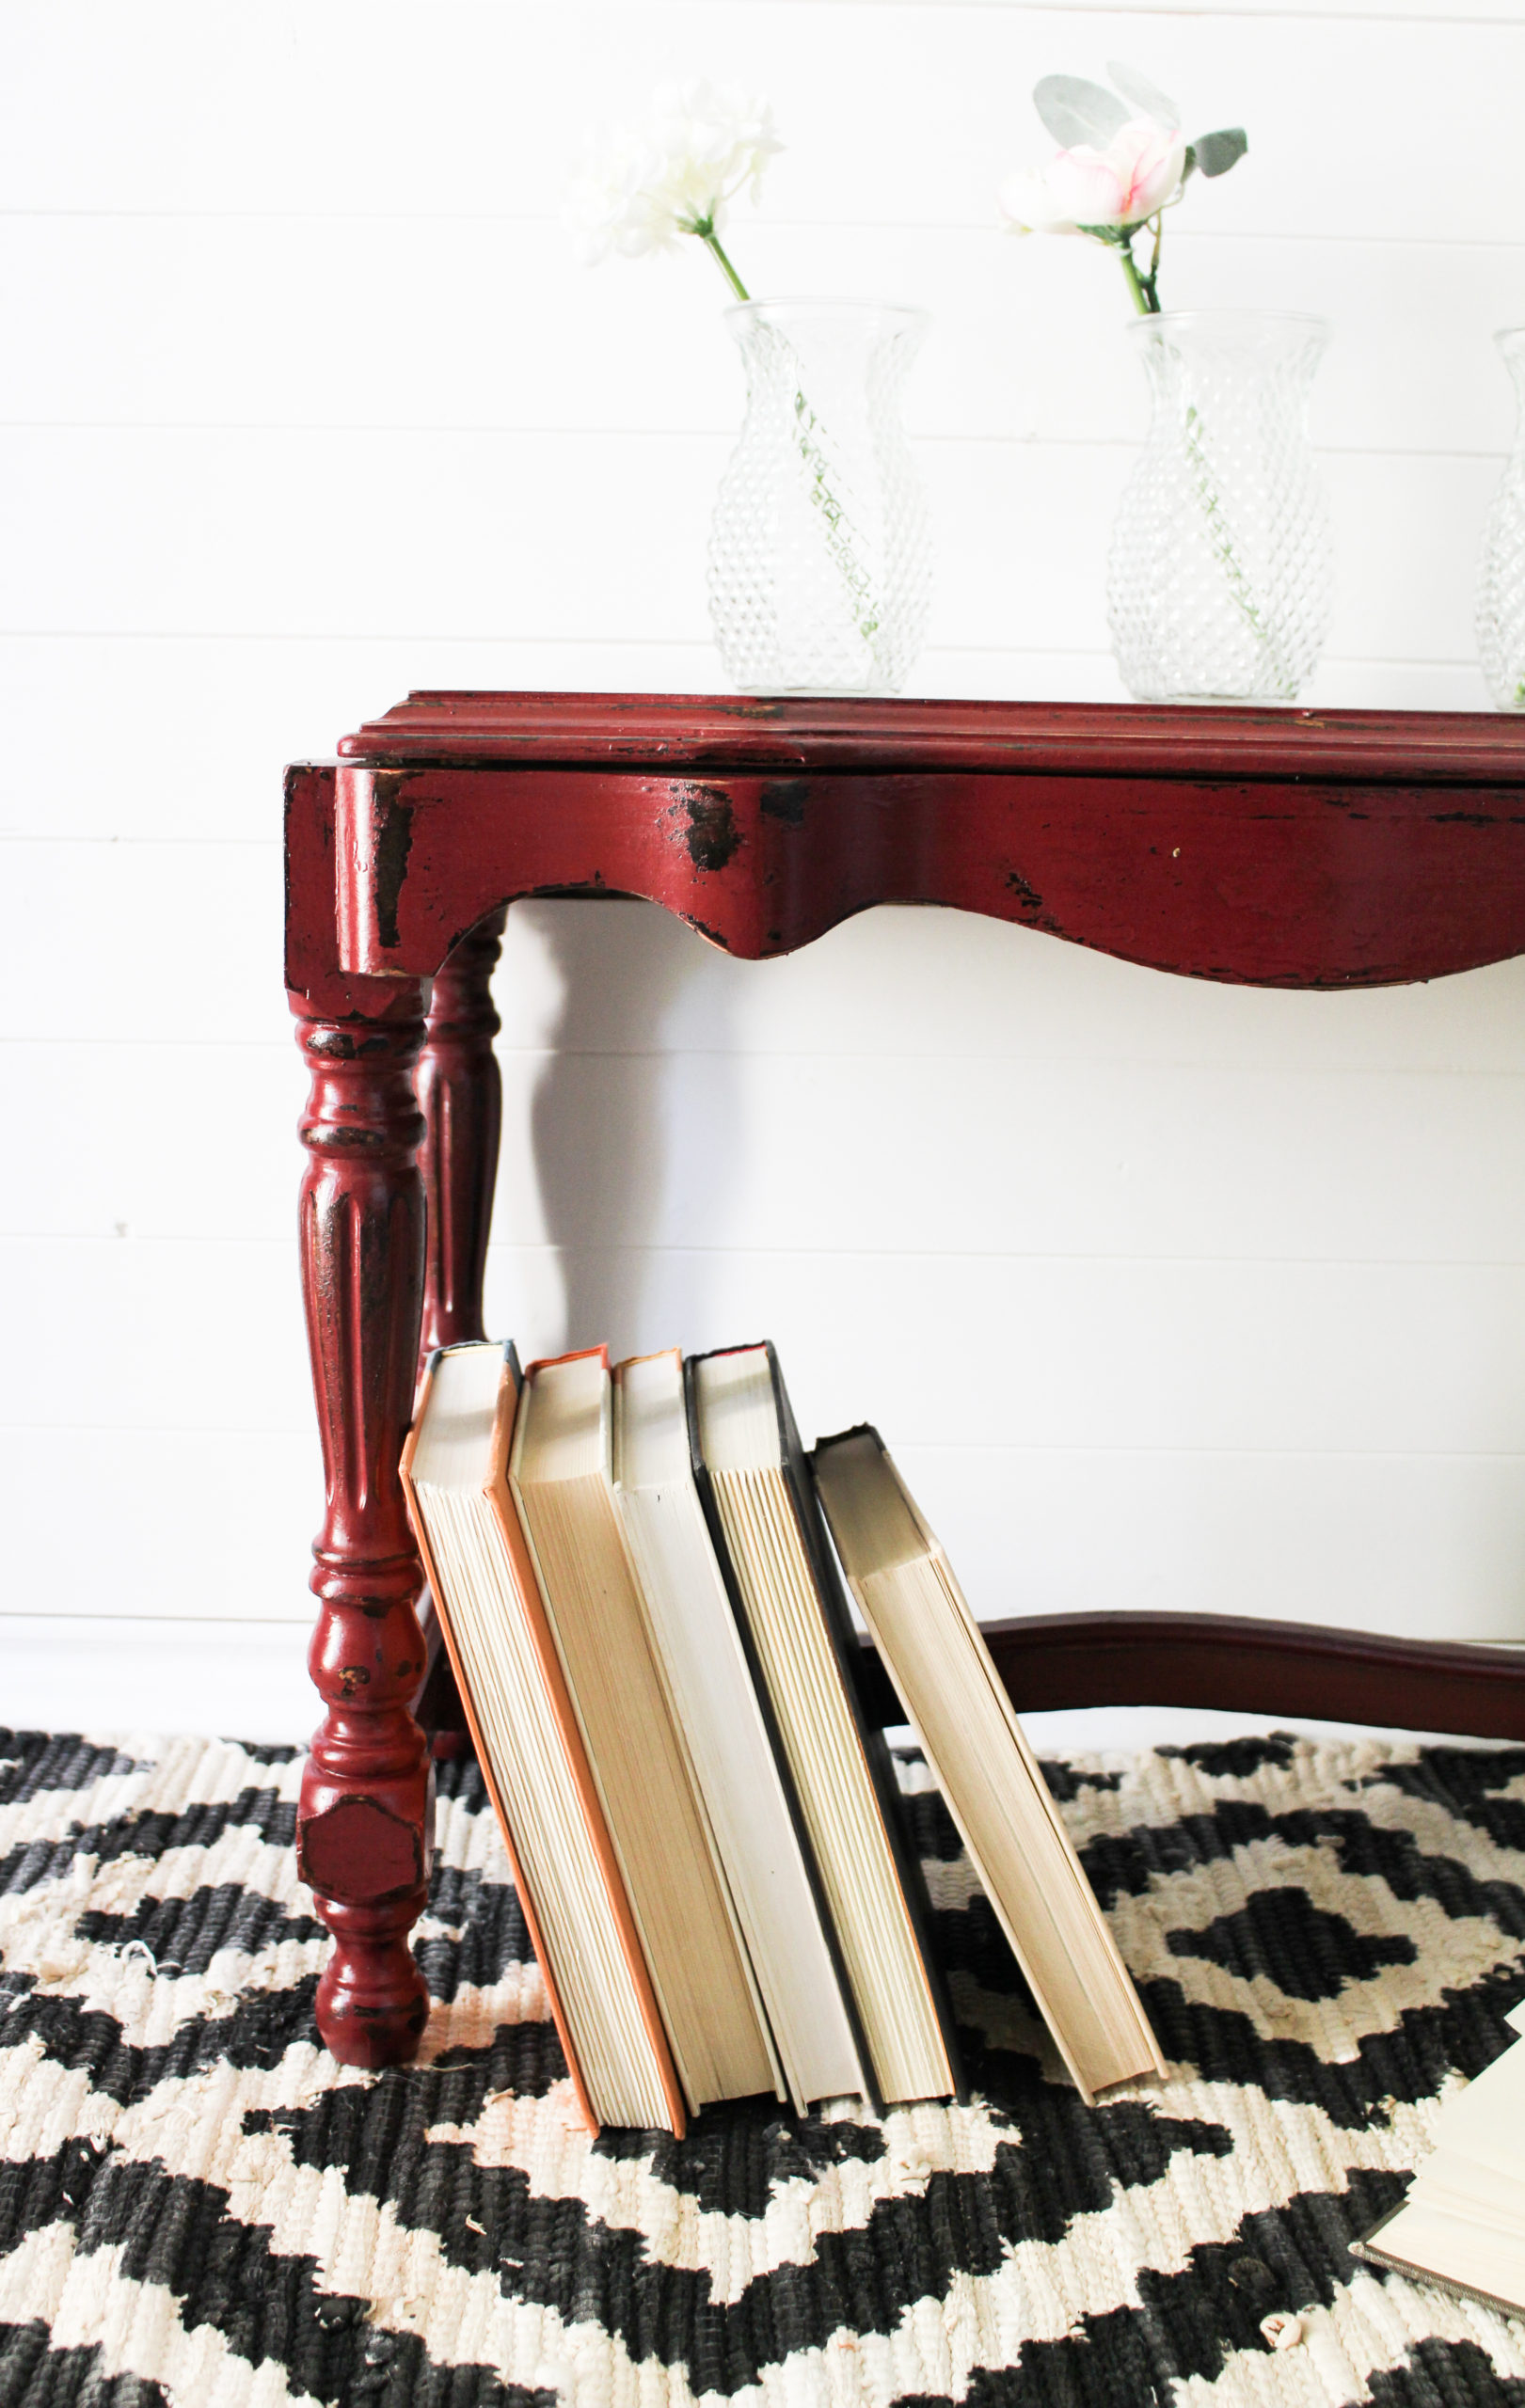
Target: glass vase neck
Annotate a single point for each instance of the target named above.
(1271, 334)
(802, 317)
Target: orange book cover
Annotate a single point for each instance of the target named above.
(527, 1591)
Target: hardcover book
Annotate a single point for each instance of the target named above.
(738, 1759)
(933, 1650)
(529, 1740)
(1461, 2225)
(749, 1461)
(561, 1474)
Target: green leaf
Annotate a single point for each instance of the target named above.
(1144, 98)
(1216, 153)
(1074, 111)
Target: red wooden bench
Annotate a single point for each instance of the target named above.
(1281, 849)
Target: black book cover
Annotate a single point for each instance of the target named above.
(837, 1618)
(775, 1738)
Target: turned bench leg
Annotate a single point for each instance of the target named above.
(364, 1835)
(461, 1098)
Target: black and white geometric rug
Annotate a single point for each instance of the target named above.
(199, 2208)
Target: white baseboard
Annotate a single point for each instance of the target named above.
(238, 1680)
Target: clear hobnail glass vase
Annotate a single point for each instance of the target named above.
(819, 550)
(1500, 582)
(1219, 578)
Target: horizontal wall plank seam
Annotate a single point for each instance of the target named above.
(720, 430)
(881, 225)
(717, 431)
(185, 1239)
(260, 1046)
(955, 1447)
(145, 844)
(1041, 1064)
(680, 641)
(233, 1628)
(1169, 16)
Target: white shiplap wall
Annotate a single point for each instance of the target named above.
(1165, 1294)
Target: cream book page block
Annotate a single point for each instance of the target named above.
(1000, 1803)
(694, 1628)
(560, 1474)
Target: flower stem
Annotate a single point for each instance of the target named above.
(1220, 543)
(705, 231)
(1145, 288)
(838, 528)
(1132, 280)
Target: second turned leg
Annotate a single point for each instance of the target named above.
(461, 1098)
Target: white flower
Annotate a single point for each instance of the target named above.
(674, 176)
(1139, 171)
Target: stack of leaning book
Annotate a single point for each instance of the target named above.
(635, 1581)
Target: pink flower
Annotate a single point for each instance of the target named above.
(1139, 172)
